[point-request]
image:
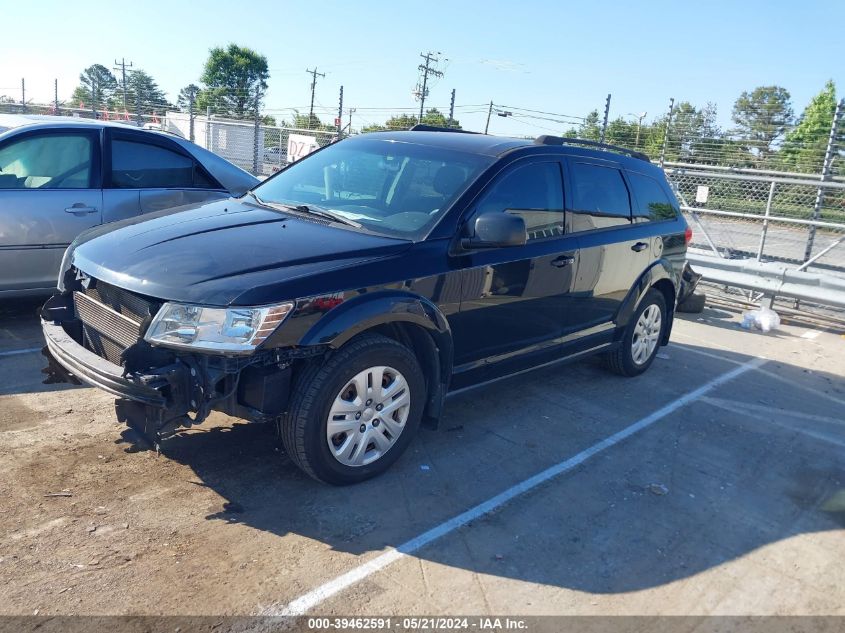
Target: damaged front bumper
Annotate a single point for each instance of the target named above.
(160, 391)
(71, 362)
(155, 403)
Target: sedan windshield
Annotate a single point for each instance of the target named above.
(395, 188)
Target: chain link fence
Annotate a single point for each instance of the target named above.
(769, 217)
(779, 198)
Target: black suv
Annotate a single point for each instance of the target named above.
(343, 298)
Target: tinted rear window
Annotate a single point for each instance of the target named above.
(599, 190)
(142, 166)
(652, 203)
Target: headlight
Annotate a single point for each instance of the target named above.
(233, 330)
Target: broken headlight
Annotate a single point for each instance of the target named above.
(221, 330)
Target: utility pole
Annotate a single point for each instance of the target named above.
(489, 112)
(314, 74)
(192, 95)
(451, 109)
(606, 114)
(256, 132)
(138, 118)
(94, 96)
(639, 126)
(23, 94)
(122, 66)
(427, 70)
(349, 125)
(340, 114)
(666, 131)
(56, 96)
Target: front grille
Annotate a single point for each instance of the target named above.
(113, 319)
(121, 301)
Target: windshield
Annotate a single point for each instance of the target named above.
(394, 188)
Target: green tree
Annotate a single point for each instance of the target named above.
(435, 117)
(184, 99)
(96, 88)
(590, 129)
(233, 77)
(401, 122)
(804, 147)
(621, 132)
(142, 90)
(762, 117)
(303, 122)
(432, 116)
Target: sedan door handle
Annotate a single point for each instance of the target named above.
(80, 209)
(639, 246)
(563, 260)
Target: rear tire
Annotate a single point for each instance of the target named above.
(694, 303)
(369, 377)
(641, 338)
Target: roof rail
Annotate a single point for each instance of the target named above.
(422, 127)
(547, 139)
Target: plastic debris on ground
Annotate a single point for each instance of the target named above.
(763, 318)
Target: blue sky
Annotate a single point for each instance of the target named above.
(561, 57)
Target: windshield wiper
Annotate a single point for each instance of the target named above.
(307, 208)
(256, 198)
(322, 212)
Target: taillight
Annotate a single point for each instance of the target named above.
(688, 236)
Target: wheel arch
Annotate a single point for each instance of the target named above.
(410, 319)
(660, 276)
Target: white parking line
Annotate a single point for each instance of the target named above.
(811, 334)
(765, 372)
(15, 352)
(313, 598)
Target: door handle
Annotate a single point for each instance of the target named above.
(80, 209)
(563, 260)
(639, 246)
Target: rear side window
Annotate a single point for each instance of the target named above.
(535, 193)
(143, 166)
(599, 191)
(652, 203)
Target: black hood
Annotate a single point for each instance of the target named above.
(228, 252)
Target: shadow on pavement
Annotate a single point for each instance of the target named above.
(733, 482)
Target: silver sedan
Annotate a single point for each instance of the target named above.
(60, 176)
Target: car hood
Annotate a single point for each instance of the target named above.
(228, 252)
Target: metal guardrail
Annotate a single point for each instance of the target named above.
(772, 280)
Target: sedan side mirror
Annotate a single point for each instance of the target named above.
(496, 230)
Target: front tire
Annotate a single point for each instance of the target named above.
(641, 338)
(354, 415)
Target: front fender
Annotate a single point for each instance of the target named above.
(372, 309)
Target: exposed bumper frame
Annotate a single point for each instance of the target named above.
(86, 366)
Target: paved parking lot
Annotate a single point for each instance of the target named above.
(714, 484)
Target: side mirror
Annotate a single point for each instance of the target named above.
(495, 230)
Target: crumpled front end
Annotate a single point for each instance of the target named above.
(94, 334)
